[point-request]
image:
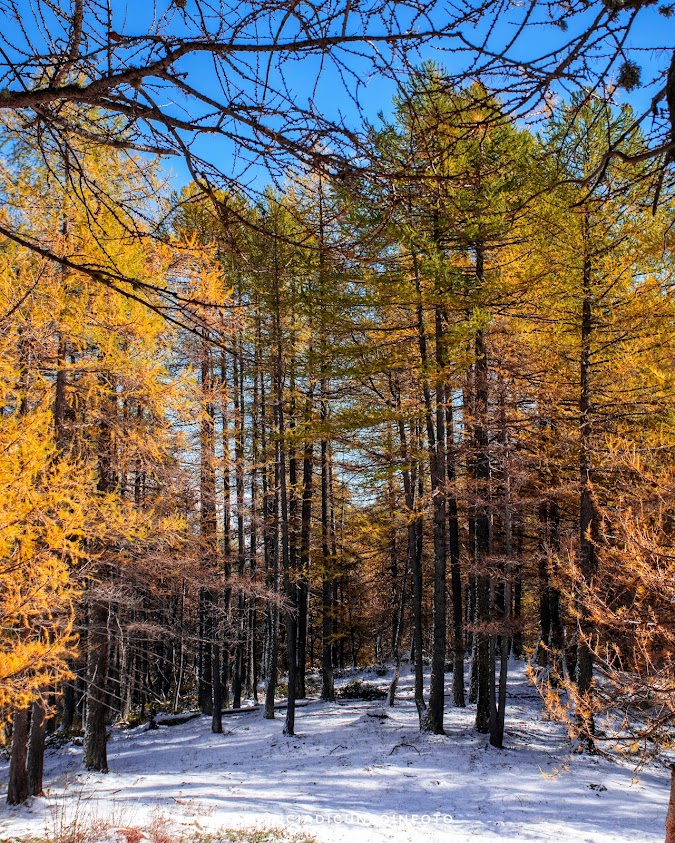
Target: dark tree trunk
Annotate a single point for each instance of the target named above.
(458, 690)
(398, 634)
(205, 690)
(238, 666)
(68, 705)
(252, 612)
(98, 642)
(544, 589)
(497, 724)
(432, 720)
(227, 527)
(587, 525)
(303, 574)
(17, 790)
(411, 476)
(217, 716)
(518, 531)
(327, 685)
(484, 663)
(272, 542)
(211, 690)
(437, 451)
(95, 753)
(36, 748)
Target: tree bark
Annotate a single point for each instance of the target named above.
(95, 753)
(485, 676)
(587, 525)
(327, 684)
(36, 748)
(435, 711)
(497, 724)
(432, 720)
(458, 689)
(238, 380)
(17, 790)
(305, 550)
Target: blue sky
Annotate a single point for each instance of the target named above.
(315, 79)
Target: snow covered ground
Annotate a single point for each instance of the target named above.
(351, 777)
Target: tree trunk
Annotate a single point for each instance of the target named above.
(497, 725)
(435, 711)
(272, 526)
(17, 790)
(36, 748)
(68, 704)
(397, 640)
(587, 525)
(227, 523)
(327, 684)
(95, 753)
(217, 716)
(303, 574)
(238, 387)
(458, 690)
(432, 720)
(484, 662)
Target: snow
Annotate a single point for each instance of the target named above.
(351, 777)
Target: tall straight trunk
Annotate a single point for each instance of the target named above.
(281, 448)
(410, 472)
(587, 526)
(458, 690)
(95, 754)
(294, 497)
(36, 747)
(271, 497)
(481, 465)
(68, 703)
(338, 578)
(217, 716)
(398, 634)
(519, 542)
(393, 558)
(227, 527)
(205, 653)
(498, 719)
(208, 534)
(327, 680)
(36, 744)
(305, 550)
(180, 654)
(432, 720)
(557, 628)
(551, 644)
(543, 649)
(435, 711)
(418, 585)
(327, 685)
(17, 790)
(253, 545)
(274, 625)
(238, 378)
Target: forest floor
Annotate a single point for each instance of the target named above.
(356, 771)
